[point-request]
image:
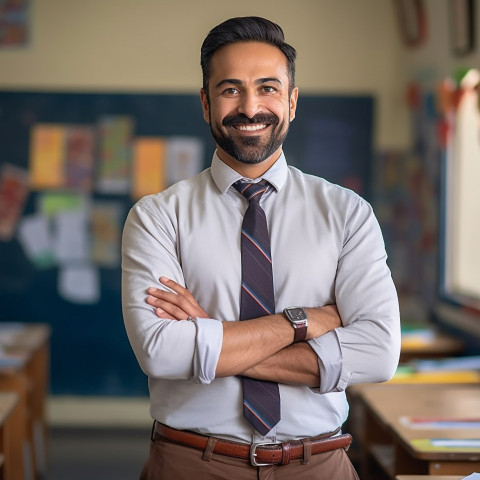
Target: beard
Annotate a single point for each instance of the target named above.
(250, 149)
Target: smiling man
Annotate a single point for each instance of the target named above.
(267, 289)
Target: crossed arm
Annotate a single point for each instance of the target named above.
(260, 348)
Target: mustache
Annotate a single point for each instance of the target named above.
(241, 119)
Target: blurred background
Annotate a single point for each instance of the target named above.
(99, 105)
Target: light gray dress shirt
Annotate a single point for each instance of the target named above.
(327, 248)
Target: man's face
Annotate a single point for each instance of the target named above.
(249, 107)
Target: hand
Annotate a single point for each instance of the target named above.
(177, 305)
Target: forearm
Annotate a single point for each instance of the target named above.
(294, 365)
(249, 343)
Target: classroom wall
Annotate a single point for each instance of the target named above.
(434, 59)
(344, 46)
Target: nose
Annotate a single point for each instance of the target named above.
(249, 104)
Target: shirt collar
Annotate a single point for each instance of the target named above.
(224, 176)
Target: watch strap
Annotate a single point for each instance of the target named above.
(300, 333)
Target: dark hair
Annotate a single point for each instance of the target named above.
(246, 29)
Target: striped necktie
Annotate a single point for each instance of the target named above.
(261, 399)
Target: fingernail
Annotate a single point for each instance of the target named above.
(164, 279)
(160, 311)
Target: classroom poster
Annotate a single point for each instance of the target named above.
(115, 144)
(14, 24)
(71, 237)
(79, 283)
(79, 157)
(34, 234)
(47, 156)
(13, 195)
(148, 167)
(184, 158)
(51, 203)
(106, 226)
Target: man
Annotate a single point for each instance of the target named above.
(188, 247)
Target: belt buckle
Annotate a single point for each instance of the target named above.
(253, 454)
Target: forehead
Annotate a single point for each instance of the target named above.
(245, 60)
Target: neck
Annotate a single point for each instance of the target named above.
(246, 170)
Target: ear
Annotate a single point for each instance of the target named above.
(293, 103)
(205, 105)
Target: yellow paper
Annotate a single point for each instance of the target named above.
(148, 166)
(47, 156)
(440, 376)
(431, 445)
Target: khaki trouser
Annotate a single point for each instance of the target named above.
(169, 461)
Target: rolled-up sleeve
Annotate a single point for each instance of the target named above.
(367, 347)
(209, 345)
(168, 349)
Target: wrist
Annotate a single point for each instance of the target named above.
(298, 319)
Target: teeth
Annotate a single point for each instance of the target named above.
(250, 128)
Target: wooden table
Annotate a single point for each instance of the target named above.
(24, 369)
(388, 442)
(11, 421)
(436, 345)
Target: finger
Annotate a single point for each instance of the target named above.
(160, 313)
(176, 287)
(156, 296)
(168, 310)
(172, 311)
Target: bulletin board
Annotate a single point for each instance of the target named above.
(90, 355)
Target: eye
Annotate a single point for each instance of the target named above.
(231, 91)
(268, 89)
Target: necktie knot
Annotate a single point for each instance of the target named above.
(251, 191)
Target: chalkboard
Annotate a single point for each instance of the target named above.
(90, 354)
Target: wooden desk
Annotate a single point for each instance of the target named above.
(434, 345)
(386, 443)
(24, 369)
(11, 459)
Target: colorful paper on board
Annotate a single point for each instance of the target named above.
(79, 284)
(47, 156)
(71, 237)
(105, 225)
(35, 236)
(148, 168)
(49, 204)
(184, 158)
(115, 151)
(79, 157)
(13, 195)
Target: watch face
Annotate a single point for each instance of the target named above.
(297, 314)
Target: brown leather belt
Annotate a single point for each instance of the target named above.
(259, 454)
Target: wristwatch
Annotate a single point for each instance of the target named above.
(299, 320)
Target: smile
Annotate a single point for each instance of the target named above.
(250, 128)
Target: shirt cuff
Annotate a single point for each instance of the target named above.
(330, 363)
(207, 349)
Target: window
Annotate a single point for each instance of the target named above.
(460, 269)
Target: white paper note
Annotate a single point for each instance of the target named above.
(79, 283)
(36, 239)
(72, 239)
(184, 158)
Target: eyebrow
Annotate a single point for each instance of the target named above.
(260, 81)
